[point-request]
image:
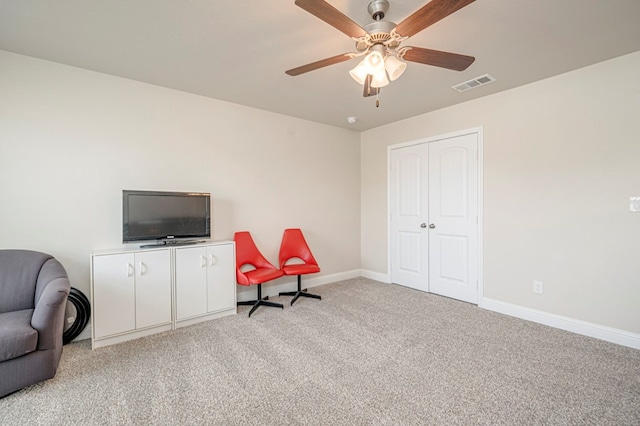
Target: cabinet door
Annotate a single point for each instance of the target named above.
(113, 294)
(153, 288)
(221, 279)
(191, 282)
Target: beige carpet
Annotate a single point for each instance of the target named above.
(367, 354)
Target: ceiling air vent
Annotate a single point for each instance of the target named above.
(473, 83)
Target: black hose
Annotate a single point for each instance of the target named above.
(76, 322)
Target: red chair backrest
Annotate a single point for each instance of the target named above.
(294, 245)
(247, 253)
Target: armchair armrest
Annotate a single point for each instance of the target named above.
(51, 301)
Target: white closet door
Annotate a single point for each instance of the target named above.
(453, 218)
(409, 216)
(433, 199)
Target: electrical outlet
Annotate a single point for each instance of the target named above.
(537, 287)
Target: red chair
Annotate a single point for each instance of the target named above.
(294, 246)
(248, 254)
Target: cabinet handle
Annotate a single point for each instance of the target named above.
(129, 269)
(143, 268)
(203, 261)
(214, 260)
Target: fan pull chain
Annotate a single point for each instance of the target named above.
(377, 99)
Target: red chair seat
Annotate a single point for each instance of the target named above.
(261, 275)
(300, 269)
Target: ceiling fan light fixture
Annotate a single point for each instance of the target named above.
(374, 61)
(359, 73)
(380, 79)
(379, 42)
(394, 66)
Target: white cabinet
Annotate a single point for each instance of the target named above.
(131, 291)
(138, 292)
(204, 282)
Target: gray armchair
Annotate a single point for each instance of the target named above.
(33, 297)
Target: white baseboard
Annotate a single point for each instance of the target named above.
(376, 276)
(609, 334)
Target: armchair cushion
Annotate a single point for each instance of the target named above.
(17, 337)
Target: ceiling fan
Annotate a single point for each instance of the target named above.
(379, 42)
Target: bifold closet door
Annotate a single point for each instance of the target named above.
(434, 217)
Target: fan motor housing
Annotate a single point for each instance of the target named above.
(377, 9)
(379, 33)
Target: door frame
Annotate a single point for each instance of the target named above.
(478, 131)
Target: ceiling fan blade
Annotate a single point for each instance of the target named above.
(332, 16)
(438, 58)
(428, 15)
(368, 90)
(319, 64)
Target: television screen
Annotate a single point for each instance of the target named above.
(156, 215)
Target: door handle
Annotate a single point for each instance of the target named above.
(423, 225)
(432, 225)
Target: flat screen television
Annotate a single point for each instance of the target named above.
(165, 217)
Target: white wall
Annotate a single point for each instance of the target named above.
(561, 159)
(71, 140)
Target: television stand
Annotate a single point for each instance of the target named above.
(139, 292)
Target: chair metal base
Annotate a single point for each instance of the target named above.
(300, 292)
(262, 301)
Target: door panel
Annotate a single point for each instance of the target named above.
(453, 254)
(409, 252)
(453, 191)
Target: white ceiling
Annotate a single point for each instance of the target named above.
(238, 50)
